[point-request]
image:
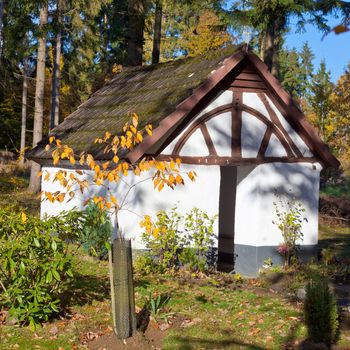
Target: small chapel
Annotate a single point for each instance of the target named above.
(229, 119)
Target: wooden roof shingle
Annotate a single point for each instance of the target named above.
(152, 92)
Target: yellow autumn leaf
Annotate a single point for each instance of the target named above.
(155, 232)
(135, 120)
(113, 199)
(23, 217)
(51, 139)
(171, 179)
(110, 177)
(97, 169)
(72, 160)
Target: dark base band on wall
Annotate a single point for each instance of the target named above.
(249, 259)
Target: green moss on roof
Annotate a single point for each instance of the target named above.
(153, 92)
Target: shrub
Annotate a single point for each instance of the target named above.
(174, 240)
(164, 241)
(144, 264)
(199, 233)
(33, 264)
(289, 219)
(96, 231)
(321, 315)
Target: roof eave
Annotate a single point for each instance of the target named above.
(320, 149)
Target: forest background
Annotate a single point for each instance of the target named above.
(55, 53)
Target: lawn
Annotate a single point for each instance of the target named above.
(207, 314)
(204, 312)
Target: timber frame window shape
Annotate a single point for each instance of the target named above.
(273, 125)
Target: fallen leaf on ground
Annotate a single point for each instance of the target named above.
(53, 330)
(164, 326)
(189, 323)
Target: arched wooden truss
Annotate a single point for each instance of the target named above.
(273, 127)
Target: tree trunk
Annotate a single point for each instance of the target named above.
(157, 34)
(24, 107)
(268, 50)
(136, 24)
(56, 73)
(279, 25)
(2, 8)
(262, 45)
(34, 184)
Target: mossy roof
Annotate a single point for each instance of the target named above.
(152, 92)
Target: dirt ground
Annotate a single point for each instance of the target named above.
(335, 210)
(151, 340)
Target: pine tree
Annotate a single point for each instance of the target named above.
(321, 89)
(306, 57)
(291, 72)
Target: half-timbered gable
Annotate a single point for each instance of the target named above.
(239, 128)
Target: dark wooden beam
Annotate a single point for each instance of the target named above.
(236, 125)
(208, 140)
(278, 123)
(233, 161)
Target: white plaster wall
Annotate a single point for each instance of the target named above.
(220, 130)
(195, 146)
(255, 212)
(253, 131)
(203, 193)
(304, 149)
(224, 98)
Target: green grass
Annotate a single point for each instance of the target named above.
(13, 192)
(336, 239)
(227, 318)
(338, 191)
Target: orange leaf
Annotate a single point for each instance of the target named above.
(161, 185)
(340, 29)
(179, 179)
